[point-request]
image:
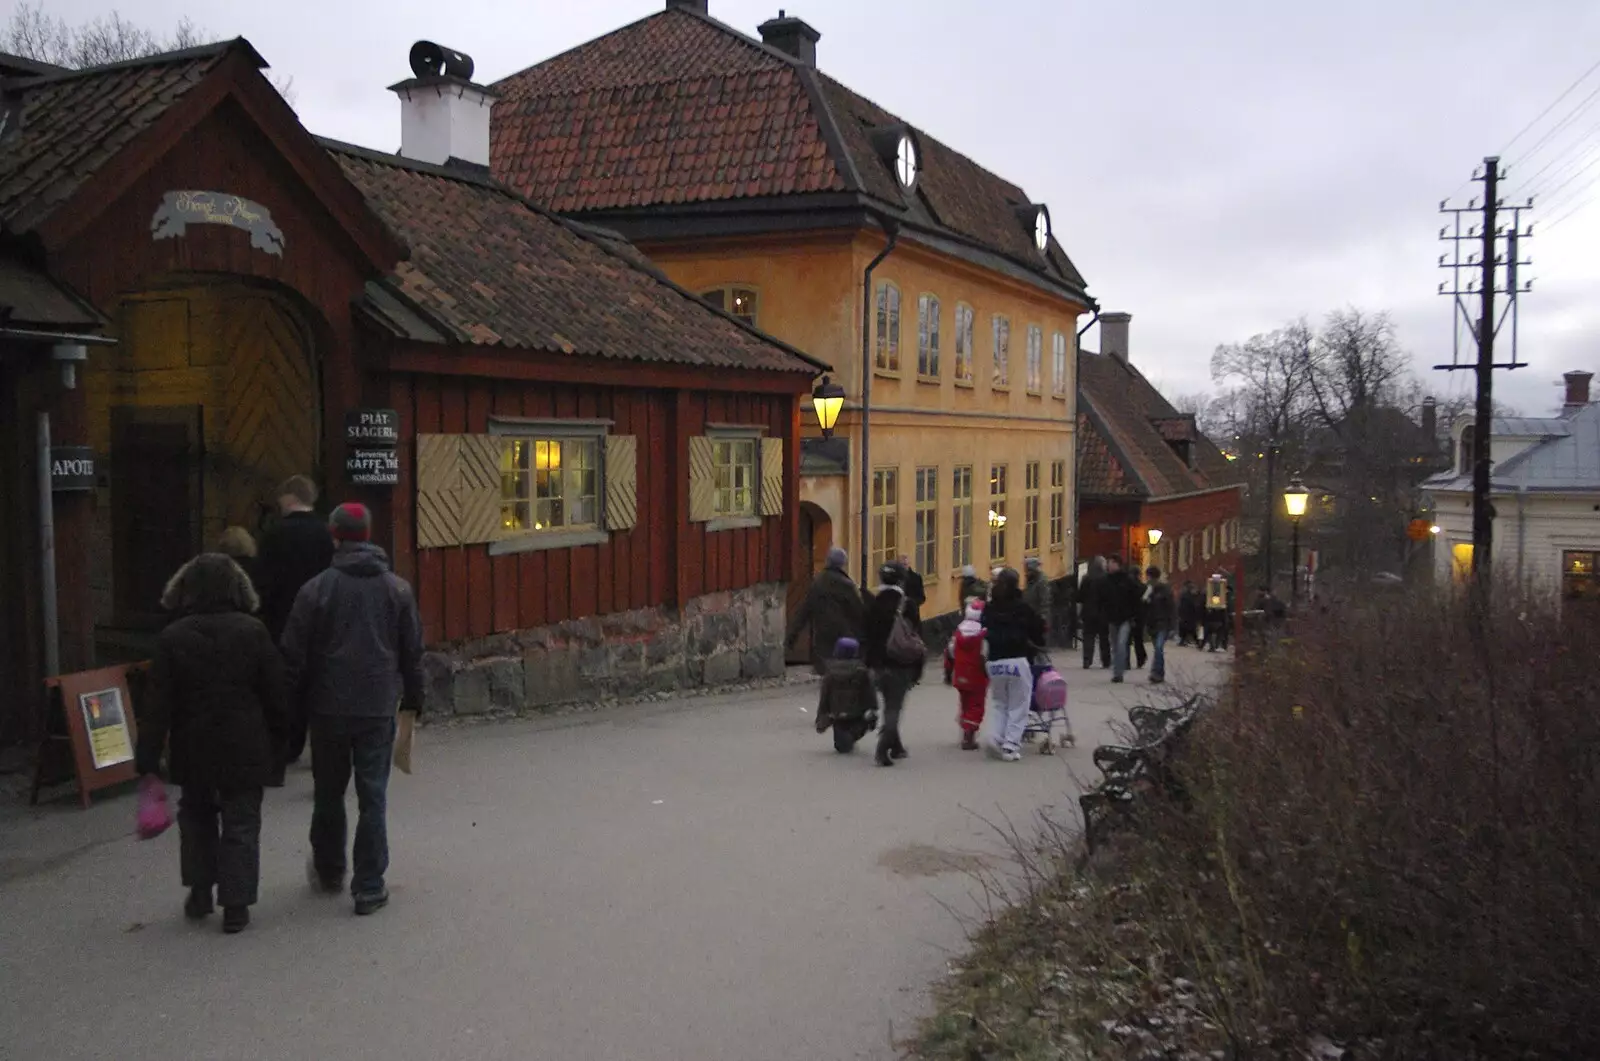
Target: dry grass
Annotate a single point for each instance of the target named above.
(1392, 841)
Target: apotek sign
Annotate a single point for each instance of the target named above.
(71, 468)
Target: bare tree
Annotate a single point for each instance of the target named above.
(34, 33)
(1269, 374)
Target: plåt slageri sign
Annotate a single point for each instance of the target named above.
(179, 210)
(372, 427)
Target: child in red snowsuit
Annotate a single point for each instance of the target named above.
(964, 669)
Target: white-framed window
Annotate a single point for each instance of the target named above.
(1002, 352)
(885, 515)
(963, 343)
(928, 336)
(925, 558)
(1059, 365)
(1058, 504)
(1035, 359)
(961, 517)
(735, 468)
(550, 482)
(1185, 552)
(1030, 508)
(738, 299)
(888, 355)
(1206, 543)
(997, 513)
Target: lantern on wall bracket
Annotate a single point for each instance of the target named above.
(827, 400)
(1154, 536)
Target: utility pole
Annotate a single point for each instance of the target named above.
(1485, 327)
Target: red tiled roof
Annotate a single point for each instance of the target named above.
(72, 123)
(1100, 474)
(1133, 421)
(489, 269)
(679, 108)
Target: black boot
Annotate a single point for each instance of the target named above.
(235, 918)
(199, 905)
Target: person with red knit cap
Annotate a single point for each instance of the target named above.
(353, 645)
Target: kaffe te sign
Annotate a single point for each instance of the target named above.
(371, 437)
(71, 468)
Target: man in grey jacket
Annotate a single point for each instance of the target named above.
(353, 645)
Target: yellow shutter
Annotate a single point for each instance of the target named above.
(622, 482)
(438, 476)
(478, 490)
(702, 480)
(772, 477)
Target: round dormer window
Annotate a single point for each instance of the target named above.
(906, 162)
(1041, 230)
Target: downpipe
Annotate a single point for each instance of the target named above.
(867, 304)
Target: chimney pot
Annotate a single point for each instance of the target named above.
(1430, 423)
(793, 36)
(1577, 390)
(1114, 335)
(444, 115)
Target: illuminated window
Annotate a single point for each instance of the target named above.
(1002, 352)
(1461, 561)
(549, 484)
(1058, 503)
(1580, 576)
(997, 512)
(1030, 508)
(734, 477)
(885, 515)
(1035, 359)
(737, 300)
(928, 337)
(963, 343)
(961, 517)
(1059, 365)
(926, 556)
(1207, 539)
(888, 356)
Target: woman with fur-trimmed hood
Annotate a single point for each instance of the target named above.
(218, 690)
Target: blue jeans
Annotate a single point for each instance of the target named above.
(1120, 633)
(1158, 661)
(342, 746)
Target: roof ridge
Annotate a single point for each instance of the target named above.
(199, 51)
(400, 161)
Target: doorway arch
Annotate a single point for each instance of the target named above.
(810, 556)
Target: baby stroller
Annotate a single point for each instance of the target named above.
(1049, 709)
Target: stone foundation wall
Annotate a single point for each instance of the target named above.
(715, 640)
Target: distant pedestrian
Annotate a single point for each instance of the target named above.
(217, 693)
(295, 550)
(354, 649)
(972, 586)
(833, 608)
(916, 593)
(239, 545)
(1091, 607)
(891, 647)
(1121, 603)
(1037, 591)
(1136, 638)
(846, 702)
(964, 669)
(1191, 611)
(1160, 615)
(1013, 634)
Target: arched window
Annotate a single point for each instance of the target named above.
(888, 356)
(1465, 460)
(737, 299)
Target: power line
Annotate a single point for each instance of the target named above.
(1582, 206)
(1526, 187)
(1556, 103)
(1572, 115)
(1591, 164)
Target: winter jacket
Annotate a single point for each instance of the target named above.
(354, 640)
(218, 691)
(963, 658)
(1038, 596)
(887, 603)
(1119, 598)
(916, 593)
(1012, 629)
(1160, 608)
(292, 553)
(1092, 596)
(1191, 606)
(833, 608)
(846, 692)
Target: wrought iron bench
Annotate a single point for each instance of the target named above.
(1144, 766)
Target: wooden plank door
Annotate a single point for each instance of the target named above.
(156, 498)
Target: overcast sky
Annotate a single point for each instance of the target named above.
(1215, 169)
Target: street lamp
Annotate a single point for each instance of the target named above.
(1153, 536)
(1294, 503)
(827, 400)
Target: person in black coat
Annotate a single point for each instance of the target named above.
(1191, 609)
(1091, 607)
(219, 692)
(894, 678)
(911, 582)
(293, 552)
(1120, 604)
(833, 608)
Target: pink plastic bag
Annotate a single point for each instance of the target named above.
(155, 817)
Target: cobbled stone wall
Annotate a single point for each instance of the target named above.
(717, 639)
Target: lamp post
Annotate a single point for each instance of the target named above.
(827, 400)
(1294, 503)
(1153, 535)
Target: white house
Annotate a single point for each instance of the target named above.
(1545, 490)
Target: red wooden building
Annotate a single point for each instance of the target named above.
(593, 472)
(1143, 466)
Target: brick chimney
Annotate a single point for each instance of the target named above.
(1577, 391)
(1114, 335)
(699, 7)
(1430, 423)
(444, 115)
(792, 35)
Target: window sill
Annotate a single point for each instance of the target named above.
(1059, 547)
(540, 541)
(965, 383)
(1060, 397)
(933, 380)
(886, 373)
(1001, 388)
(1034, 392)
(726, 523)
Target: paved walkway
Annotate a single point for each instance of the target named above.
(701, 880)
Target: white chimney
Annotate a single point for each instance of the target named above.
(444, 115)
(1114, 335)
